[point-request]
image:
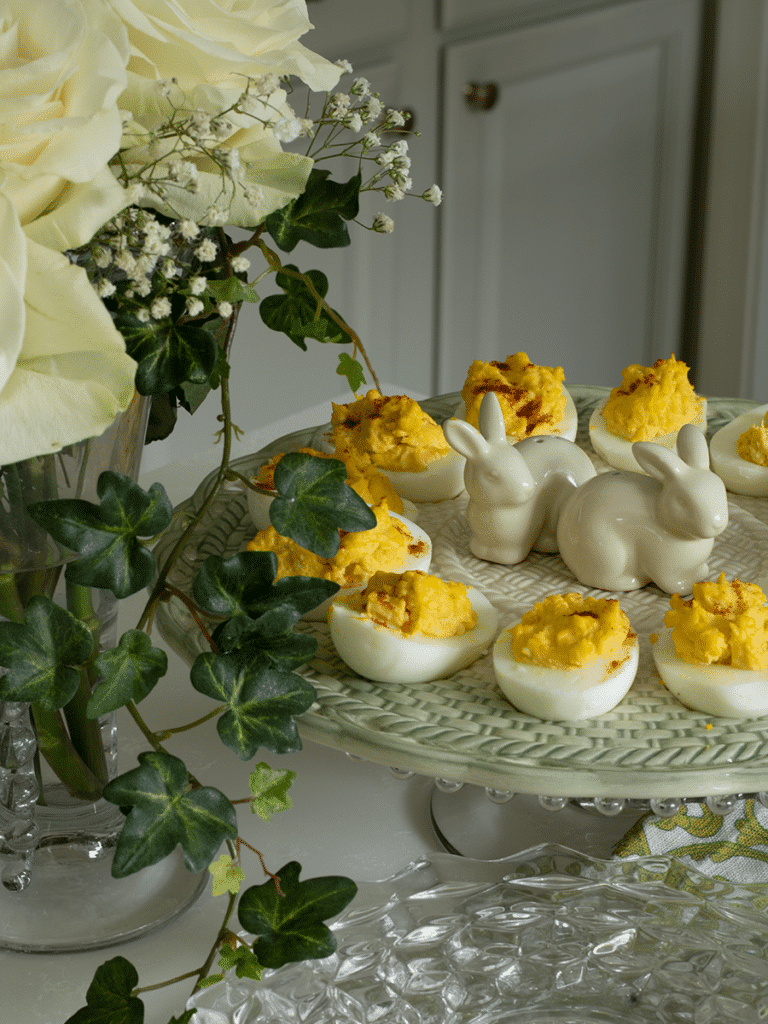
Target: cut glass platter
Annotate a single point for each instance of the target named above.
(462, 728)
(548, 936)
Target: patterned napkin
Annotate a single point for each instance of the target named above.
(732, 847)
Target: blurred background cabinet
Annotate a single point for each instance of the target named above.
(603, 165)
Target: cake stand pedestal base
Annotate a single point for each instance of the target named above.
(469, 824)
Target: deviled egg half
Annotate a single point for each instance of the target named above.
(532, 397)
(402, 442)
(651, 404)
(739, 453)
(569, 658)
(713, 653)
(411, 627)
(394, 544)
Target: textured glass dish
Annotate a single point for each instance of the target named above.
(462, 728)
(564, 939)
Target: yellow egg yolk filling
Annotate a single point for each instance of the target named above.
(569, 630)
(360, 554)
(752, 445)
(414, 602)
(364, 479)
(651, 401)
(723, 623)
(531, 396)
(394, 433)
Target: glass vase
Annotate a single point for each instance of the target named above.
(57, 834)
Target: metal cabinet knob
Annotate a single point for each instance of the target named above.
(480, 95)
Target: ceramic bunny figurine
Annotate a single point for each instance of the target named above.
(622, 530)
(515, 491)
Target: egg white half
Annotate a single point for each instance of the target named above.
(442, 478)
(566, 427)
(564, 695)
(617, 451)
(738, 475)
(714, 689)
(388, 656)
(421, 561)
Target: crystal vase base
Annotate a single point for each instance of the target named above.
(72, 903)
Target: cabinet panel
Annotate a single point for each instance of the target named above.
(566, 203)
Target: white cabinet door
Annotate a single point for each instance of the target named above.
(565, 213)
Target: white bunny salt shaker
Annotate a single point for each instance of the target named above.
(515, 490)
(622, 530)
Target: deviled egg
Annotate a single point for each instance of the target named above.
(569, 658)
(411, 627)
(739, 453)
(532, 397)
(395, 544)
(402, 441)
(713, 653)
(651, 404)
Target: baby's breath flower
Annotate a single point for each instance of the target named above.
(370, 141)
(160, 307)
(393, 193)
(395, 119)
(254, 195)
(135, 193)
(373, 107)
(143, 287)
(194, 306)
(360, 87)
(102, 257)
(206, 251)
(433, 195)
(199, 124)
(400, 148)
(105, 288)
(197, 285)
(307, 125)
(163, 86)
(225, 310)
(338, 106)
(229, 158)
(142, 315)
(266, 85)
(215, 216)
(169, 270)
(221, 128)
(240, 264)
(287, 129)
(125, 260)
(354, 122)
(345, 66)
(189, 230)
(385, 159)
(383, 224)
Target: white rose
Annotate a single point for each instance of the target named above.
(207, 50)
(64, 372)
(62, 69)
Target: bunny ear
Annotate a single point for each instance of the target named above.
(490, 419)
(465, 439)
(656, 460)
(692, 447)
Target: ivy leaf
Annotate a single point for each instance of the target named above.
(290, 927)
(352, 370)
(226, 877)
(40, 653)
(165, 812)
(268, 638)
(270, 790)
(317, 216)
(106, 535)
(261, 702)
(245, 585)
(297, 312)
(314, 503)
(129, 672)
(167, 353)
(109, 999)
(231, 289)
(245, 962)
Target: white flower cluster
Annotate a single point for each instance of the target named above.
(144, 262)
